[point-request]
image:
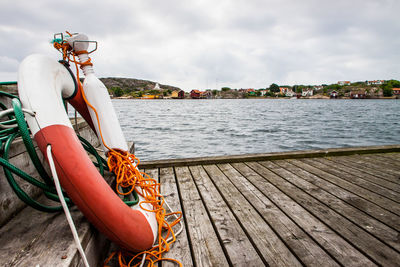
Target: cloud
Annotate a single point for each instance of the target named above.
(203, 43)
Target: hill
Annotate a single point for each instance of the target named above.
(130, 84)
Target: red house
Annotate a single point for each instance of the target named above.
(396, 91)
(334, 94)
(195, 94)
(359, 94)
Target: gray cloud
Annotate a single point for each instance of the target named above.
(198, 44)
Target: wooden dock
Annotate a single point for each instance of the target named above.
(336, 207)
(315, 211)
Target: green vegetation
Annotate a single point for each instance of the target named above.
(334, 87)
(358, 84)
(298, 89)
(270, 94)
(153, 92)
(274, 88)
(387, 87)
(393, 84)
(117, 91)
(387, 91)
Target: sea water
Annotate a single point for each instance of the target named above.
(164, 129)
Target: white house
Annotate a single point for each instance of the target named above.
(290, 93)
(308, 92)
(377, 82)
(343, 82)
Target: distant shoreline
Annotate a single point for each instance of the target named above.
(249, 98)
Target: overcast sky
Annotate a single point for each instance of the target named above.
(214, 43)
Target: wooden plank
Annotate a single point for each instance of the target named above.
(14, 245)
(343, 192)
(372, 171)
(153, 173)
(206, 248)
(381, 201)
(389, 165)
(324, 165)
(234, 240)
(384, 161)
(270, 246)
(334, 244)
(393, 156)
(364, 241)
(305, 248)
(95, 251)
(362, 161)
(180, 249)
(356, 172)
(37, 238)
(55, 246)
(270, 156)
(332, 196)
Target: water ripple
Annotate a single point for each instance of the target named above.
(187, 128)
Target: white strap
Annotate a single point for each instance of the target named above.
(65, 207)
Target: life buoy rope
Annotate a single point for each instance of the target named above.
(128, 177)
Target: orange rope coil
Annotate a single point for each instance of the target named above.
(125, 167)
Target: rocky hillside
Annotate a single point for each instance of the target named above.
(130, 84)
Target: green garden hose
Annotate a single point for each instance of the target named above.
(30, 148)
(7, 136)
(14, 185)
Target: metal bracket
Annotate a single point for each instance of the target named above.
(79, 41)
(60, 36)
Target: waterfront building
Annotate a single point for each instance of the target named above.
(206, 95)
(308, 92)
(284, 90)
(376, 82)
(195, 94)
(358, 94)
(290, 93)
(178, 94)
(343, 82)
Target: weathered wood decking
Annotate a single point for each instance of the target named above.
(337, 207)
(328, 211)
